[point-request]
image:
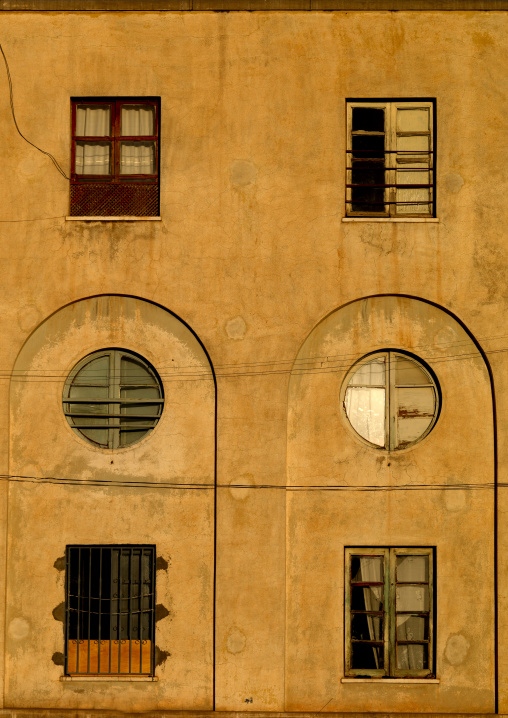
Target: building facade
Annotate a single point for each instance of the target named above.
(254, 419)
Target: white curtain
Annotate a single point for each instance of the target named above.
(93, 158)
(411, 598)
(365, 409)
(137, 158)
(137, 120)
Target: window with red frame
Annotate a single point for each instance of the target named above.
(115, 157)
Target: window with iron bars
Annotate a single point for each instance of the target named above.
(115, 157)
(390, 158)
(110, 603)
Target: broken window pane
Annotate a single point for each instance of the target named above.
(366, 655)
(366, 627)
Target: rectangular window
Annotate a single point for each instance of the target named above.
(110, 603)
(390, 158)
(115, 157)
(389, 612)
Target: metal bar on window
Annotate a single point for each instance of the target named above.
(89, 606)
(100, 610)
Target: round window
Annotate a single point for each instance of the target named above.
(391, 400)
(113, 398)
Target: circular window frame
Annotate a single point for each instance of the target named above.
(114, 429)
(434, 383)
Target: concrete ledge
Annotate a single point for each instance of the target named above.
(250, 5)
(434, 220)
(397, 681)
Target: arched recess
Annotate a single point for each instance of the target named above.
(438, 493)
(159, 491)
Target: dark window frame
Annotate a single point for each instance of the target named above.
(115, 194)
(115, 105)
(87, 654)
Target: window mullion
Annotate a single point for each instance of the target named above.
(391, 141)
(115, 393)
(392, 403)
(392, 621)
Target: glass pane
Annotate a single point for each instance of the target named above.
(412, 628)
(413, 201)
(412, 568)
(408, 372)
(88, 392)
(364, 655)
(97, 436)
(367, 628)
(412, 657)
(412, 598)
(414, 143)
(95, 372)
(131, 437)
(136, 409)
(93, 121)
(145, 393)
(93, 158)
(413, 120)
(132, 372)
(367, 598)
(365, 409)
(368, 119)
(88, 409)
(366, 568)
(372, 373)
(137, 120)
(415, 412)
(137, 158)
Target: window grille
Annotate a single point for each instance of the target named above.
(390, 158)
(110, 602)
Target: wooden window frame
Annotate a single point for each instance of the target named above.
(390, 386)
(389, 613)
(115, 138)
(390, 106)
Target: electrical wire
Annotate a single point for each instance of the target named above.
(189, 486)
(57, 375)
(11, 98)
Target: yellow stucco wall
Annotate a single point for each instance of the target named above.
(251, 253)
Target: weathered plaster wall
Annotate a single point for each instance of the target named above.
(43, 519)
(420, 508)
(251, 252)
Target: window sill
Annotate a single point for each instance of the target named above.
(113, 219)
(398, 681)
(433, 220)
(110, 679)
